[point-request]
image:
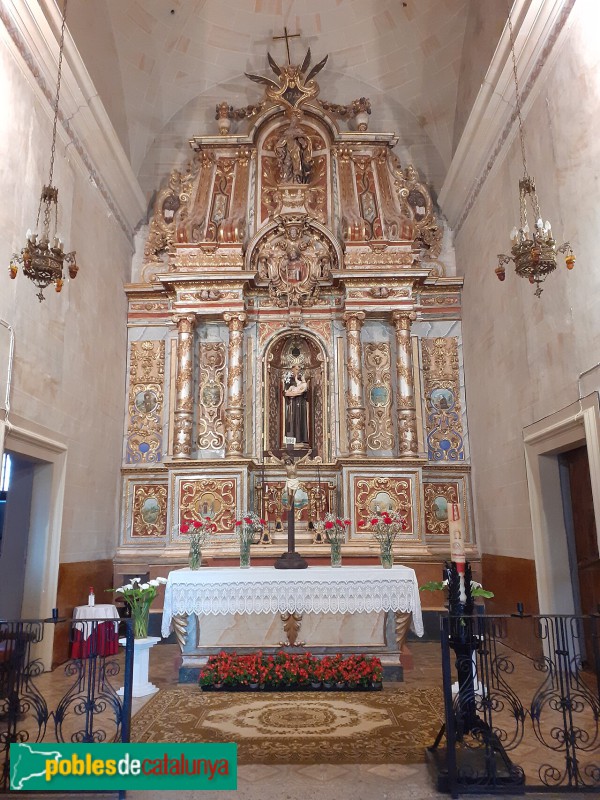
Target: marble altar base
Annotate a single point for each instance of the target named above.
(320, 634)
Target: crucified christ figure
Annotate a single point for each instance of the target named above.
(292, 483)
(291, 559)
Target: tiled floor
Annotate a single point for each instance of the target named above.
(322, 782)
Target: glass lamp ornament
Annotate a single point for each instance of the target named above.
(533, 252)
(43, 257)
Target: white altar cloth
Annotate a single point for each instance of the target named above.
(266, 590)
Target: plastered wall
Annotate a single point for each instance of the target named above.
(523, 355)
(69, 362)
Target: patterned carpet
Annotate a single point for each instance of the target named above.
(391, 726)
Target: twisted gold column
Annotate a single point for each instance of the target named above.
(234, 415)
(184, 384)
(355, 409)
(405, 401)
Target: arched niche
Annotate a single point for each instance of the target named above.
(270, 178)
(286, 351)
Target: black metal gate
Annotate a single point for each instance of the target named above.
(77, 702)
(522, 704)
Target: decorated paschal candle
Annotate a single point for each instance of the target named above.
(457, 545)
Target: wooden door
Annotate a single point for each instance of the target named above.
(585, 534)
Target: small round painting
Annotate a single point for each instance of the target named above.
(442, 399)
(146, 401)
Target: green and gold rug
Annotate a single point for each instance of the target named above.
(391, 726)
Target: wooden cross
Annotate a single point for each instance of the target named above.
(287, 36)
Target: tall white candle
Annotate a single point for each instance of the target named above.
(457, 541)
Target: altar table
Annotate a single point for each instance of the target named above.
(266, 590)
(322, 593)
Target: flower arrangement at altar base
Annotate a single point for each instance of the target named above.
(248, 529)
(139, 597)
(386, 527)
(286, 671)
(199, 532)
(335, 530)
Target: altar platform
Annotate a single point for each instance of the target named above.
(324, 610)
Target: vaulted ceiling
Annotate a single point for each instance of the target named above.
(160, 66)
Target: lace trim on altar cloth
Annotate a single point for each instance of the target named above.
(319, 597)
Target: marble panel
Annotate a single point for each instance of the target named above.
(316, 630)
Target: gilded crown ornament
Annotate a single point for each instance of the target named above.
(294, 86)
(43, 255)
(534, 251)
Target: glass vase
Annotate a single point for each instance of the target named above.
(336, 554)
(244, 554)
(386, 554)
(141, 618)
(195, 557)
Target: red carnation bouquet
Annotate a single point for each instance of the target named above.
(198, 531)
(335, 528)
(386, 527)
(249, 528)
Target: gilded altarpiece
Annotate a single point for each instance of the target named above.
(442, 398)
(145, 407)
(149, 510)
(215, 493)
(211, 396)
(293, 274)
(373, 496)
(437, 497)
(380, 429)
(145, 500)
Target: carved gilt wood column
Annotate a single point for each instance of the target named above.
(407, 412)
(184, 385)
(355, 409)
(234, 415)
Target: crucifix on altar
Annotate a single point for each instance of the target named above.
(291, 559)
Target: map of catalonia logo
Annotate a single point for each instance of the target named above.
(111, 767)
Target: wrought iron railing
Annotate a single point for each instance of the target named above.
(77, 702)
(522, 704)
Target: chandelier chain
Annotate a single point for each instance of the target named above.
(518, 95)
(44, 196)
(58, 80)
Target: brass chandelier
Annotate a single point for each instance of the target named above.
(43, 255)
(533, 252)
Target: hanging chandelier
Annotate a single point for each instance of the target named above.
(43, 255)
(533, 251)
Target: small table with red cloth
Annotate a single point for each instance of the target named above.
(100, 638)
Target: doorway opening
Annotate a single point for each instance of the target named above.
(30, 550)
(562, 455)
(18, 473)
(582, 536)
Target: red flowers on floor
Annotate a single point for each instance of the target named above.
(290, 670)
